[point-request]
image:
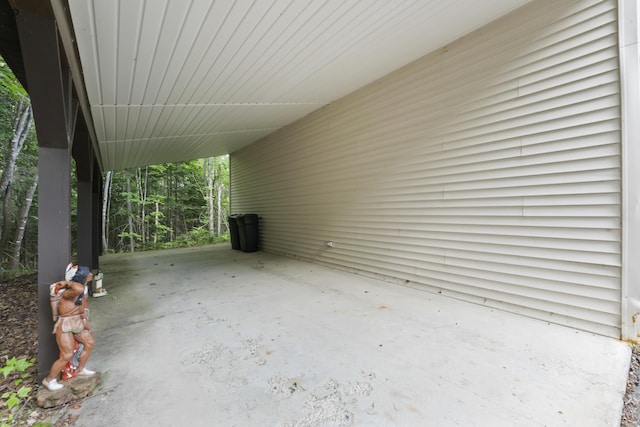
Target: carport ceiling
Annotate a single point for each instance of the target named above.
(171, 80)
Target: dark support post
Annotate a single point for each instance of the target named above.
(54, 241)
(49, 82)
(84, 172)
(85, 223)
(97, 216)
(48, 77)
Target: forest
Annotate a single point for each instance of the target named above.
(147, 208)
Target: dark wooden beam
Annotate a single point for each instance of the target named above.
(96, 204)
(50, 90)
(10, 42)
(36, 7)
(83, 155)
(54, 241)
(48, 78)
(82, 151)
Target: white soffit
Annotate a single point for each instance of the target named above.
(171, 80)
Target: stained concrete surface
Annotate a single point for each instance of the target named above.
(215, 337)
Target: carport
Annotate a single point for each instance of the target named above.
(280, 85)
(210, 336)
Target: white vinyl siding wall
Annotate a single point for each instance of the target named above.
(488, 171)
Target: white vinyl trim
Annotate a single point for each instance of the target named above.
(630, 110)
(488, 171)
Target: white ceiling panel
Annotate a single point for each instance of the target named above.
(171, 80)
(158, 121)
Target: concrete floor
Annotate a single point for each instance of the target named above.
(215, 337)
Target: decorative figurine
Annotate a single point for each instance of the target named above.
(70, 314)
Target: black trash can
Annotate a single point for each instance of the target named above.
(248, 232)
(233, 231)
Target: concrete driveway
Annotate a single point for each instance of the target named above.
(215, 337)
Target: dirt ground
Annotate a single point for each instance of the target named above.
(19, 339)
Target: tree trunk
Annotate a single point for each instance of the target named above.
(132, 242)
(142, 192)
(157, 224)
(145, 234)
(21, 126)
(23, 217)
(106, 201)
(208, 174)
(5, 226)
(170, 200)
(220, 213)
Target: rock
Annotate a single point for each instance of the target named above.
(74, 389)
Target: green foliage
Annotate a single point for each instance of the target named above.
(13, 364)
(10, 274)
(9, 84)
(168, 206)
(197, 237)
(12, 95)
(126, 235)
(13, 398)
(170, 203)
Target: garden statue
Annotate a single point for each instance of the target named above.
(73, 335)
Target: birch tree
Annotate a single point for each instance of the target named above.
(22, 122)
(142, 184)
(106, 199)
(222, 194)
(219, 196)
(17, 177)
(209, 179)
(166, 205)
(132, 241)
(23, 217)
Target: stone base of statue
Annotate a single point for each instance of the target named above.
(74, 389)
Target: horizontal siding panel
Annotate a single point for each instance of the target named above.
(487, 171)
